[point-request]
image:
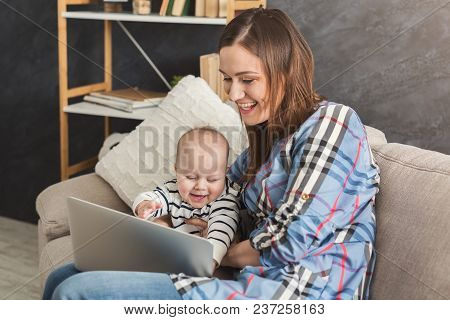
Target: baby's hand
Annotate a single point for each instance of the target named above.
(146, 207)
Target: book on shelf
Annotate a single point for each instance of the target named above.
(223, 7)
(126, 99)
(177, 9)
(209, 71)
(199, 8)
(169, 7)
(163, 9)
(186, 8)
(212, 8)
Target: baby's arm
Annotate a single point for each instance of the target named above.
(152, 204)
(222, 224)
(145, 208)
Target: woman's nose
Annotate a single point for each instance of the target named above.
(236, 92)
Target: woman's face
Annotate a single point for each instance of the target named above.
(245, 82)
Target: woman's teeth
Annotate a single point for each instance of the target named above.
(247, 106)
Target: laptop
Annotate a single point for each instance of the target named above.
(106, 239)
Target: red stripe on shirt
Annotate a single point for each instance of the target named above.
(232, 296)
(334, 120)
(343, 125)
(356, 209)
(249, 280)
(269, 200)
(261, 271)
(235, 293)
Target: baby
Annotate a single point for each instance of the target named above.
(200, 190)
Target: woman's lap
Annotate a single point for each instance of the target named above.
(69, 283)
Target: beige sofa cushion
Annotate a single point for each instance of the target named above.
(51, 204)
(413, 224)
(56, 253)
(375, 136)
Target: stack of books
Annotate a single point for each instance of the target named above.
(209, 71)
(175, 7)
(211, 8)
(203, 8)
(127, 100)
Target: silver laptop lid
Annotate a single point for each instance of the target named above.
(106, 239)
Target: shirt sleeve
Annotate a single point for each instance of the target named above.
(161, 195)
(223, 222)
(332, 179)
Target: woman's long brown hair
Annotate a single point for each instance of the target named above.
(289, 66)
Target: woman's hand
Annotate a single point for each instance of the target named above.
(240, 255)
(201, 224)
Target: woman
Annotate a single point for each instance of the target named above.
(308, 178)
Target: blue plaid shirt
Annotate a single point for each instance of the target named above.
(314, 200)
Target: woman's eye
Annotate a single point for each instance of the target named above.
(247, 81)
(226, 79)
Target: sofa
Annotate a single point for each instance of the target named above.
(412, 212)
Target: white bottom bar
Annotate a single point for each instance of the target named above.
(235, 310)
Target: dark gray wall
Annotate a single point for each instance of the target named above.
(388, 59)
(29, 125)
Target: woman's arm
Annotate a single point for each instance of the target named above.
(240, 255)
(329, 194)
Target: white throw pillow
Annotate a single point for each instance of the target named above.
(146, 157)
(110, 142)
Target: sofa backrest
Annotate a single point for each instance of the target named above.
(413, 223)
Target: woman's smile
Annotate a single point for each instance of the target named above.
(246, 108)
(245, 81)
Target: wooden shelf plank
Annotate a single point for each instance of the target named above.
(81, 91)
(155, 18)
(83, 165)
(77, 2)
(97, 110)
(243, 5)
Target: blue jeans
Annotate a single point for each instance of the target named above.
(69, 283)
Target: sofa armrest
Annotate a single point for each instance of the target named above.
(376, 137)
(413, 223)
(51, 204)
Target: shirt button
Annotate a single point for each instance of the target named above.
(305, 196)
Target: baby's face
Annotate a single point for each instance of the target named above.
(201, 170)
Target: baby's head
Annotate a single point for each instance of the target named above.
(201, 164)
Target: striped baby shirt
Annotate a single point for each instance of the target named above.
(221, 214)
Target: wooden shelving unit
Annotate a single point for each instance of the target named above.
(66, 93)
(155, 18)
